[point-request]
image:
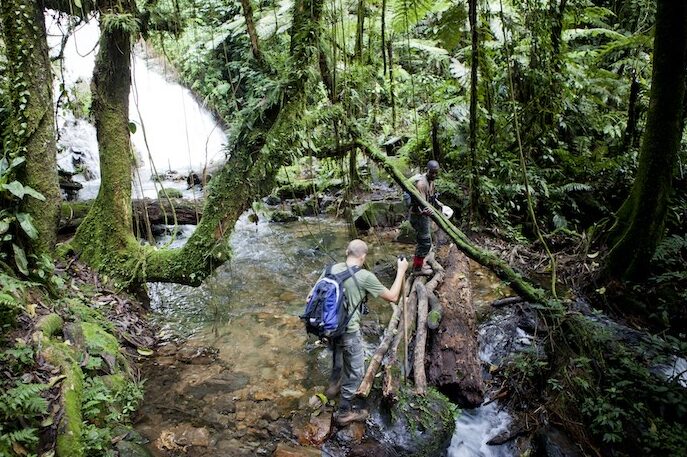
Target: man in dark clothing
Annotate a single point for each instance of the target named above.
(419, 217)
(348, 367)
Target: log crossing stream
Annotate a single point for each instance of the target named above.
(247, 365)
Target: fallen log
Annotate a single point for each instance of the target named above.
(420, 341)
(434, 316)
(394, 369)
(499, 266)
(503, 302)
(159, 212)
(454, 367)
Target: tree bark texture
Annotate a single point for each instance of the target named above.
(105, 239)
(250, 27)
(454, 366)
(641, 219)
(32, 125)
(419, 375)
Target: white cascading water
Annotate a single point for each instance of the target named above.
(181, 135)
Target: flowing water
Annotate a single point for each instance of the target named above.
(245, 365)
(173, 132)
(254, 365)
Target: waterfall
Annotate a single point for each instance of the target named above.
(181, 135)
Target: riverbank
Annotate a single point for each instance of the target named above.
(70, 373)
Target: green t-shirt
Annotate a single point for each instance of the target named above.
(367, 282)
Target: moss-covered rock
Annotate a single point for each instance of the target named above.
(379, 214)
(418, 426)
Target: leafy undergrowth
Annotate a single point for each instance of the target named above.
(67, 383)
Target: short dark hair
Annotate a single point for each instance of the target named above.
(432, 165)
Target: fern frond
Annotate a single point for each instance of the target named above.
(407, 13)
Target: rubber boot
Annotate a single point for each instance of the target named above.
(420, 268)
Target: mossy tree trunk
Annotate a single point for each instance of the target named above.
(33, 123)
(641, 219)
(105, 239)
(499, 266)
(250, 172)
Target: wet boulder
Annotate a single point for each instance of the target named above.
(378, 214)
(419, 426)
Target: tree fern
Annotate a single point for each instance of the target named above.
(407, 13)
(23, 400)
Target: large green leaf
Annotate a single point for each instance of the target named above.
(20, 259)
(33, 193)
(4, 226)
(26, 222)
(18, 189)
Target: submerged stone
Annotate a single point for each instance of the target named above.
(130, 449)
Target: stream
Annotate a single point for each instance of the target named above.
(236, 363)
(245, 364)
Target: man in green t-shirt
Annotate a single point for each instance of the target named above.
(348, 355)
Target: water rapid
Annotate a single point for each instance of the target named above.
(173, 132)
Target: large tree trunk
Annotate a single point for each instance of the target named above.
(454, 366)
(31, 130)
(105, 238)
(641, 219)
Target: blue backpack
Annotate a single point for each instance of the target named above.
(325, 313)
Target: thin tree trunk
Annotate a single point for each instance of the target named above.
(384, 34)
(252, 33)
(391, 84)
(629, 139)
(359, 31)
(641, 219)
(31, 130)
(473, 190)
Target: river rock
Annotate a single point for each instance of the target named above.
(188, 435)
(312, 430)
(285, 450)
(129, 449)
(412, 426)
(197, 355)
(352, 433)
(379, 214)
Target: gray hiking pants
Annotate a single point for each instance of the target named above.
(348, 364)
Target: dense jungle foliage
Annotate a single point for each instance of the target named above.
(538, 111)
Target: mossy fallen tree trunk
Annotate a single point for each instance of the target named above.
(498, 266)
(454, 367)
(156, 211)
